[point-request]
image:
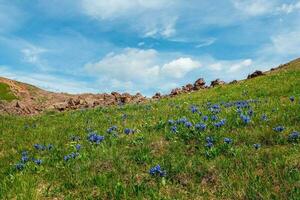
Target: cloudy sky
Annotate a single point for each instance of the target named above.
(143, 46)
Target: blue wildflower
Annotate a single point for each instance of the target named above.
(188, 124)
(214, 117)
(209, 145)
(205, 118)
(246, 119)
(20, 166)
(279, 129)
(294, 136)
(209, 139)
(94, 138)
(250, 112)
(112, 129)
(256, 146)
(292, 98)
(156, 170)
(264, 117)
(128, 131)
(39, 147)
(194, 109)
(71, 156)
(200, 126)
(24, 153)
(78, 147)
(182, 120)
(37, 161)
(174, 129)
(24, 159)
(220, 123)
(228, 140)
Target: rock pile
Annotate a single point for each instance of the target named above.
(255, 74)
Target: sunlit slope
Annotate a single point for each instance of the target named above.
(238, 141)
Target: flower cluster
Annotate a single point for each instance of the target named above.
(71, 156)
(128, 131)
(156, 170)
(220, 123)
(43, 147)
(246, 119)
(200, 126)
(278, 128)
(227, 140)
(112, 129)
(209, 142)
(95, 138)
(294, 136)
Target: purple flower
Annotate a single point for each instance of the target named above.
(228, 140)
(294, 136)
(214, 118)
(279, 129)
(37, 161)
(188, 124)
(209, 145)
(20, 166)
(246, 119)
(78, 147)
(174, 129)
(156, 170)
(194, 109)
(200, 127)
(256, 146)
(205, 118)
(128, 131)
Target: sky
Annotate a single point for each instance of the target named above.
(98, 46)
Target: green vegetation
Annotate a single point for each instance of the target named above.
(5, 93)
(118, 167)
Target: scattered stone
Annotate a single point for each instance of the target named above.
(233, 82)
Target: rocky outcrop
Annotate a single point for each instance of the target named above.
(216, 83)
(199, 84)
(255, 74)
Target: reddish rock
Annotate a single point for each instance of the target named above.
(217, 82)
(255, 74)
(199, 84)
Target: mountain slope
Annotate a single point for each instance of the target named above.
(248, 148)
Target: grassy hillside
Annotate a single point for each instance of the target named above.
(5, 93)
(222, 143)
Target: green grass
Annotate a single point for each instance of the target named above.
(5, 93)
(118, 167)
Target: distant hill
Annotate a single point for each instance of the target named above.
(26, 99)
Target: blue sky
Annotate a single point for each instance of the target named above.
(143, 46)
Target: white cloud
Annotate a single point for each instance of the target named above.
(144, 17)
(131, 64)
(238, 66)
(140, 70)
(254, 7)
(180, 67)
(284, 45)
(103, 9)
